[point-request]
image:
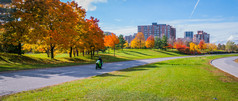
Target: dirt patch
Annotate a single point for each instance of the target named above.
(236, 60)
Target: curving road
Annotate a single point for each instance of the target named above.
(227, 65)
(13, 82)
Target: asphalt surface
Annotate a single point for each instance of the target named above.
(13, 82)
(227, 65)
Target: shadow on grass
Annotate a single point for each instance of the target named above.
(174, 53)
(176, 64)
(139, 68)
(76, 59)
(140, 53)
(19, 59)
(111, 75)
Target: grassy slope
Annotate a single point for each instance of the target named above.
(180, 79)
(10, 62)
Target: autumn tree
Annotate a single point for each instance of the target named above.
(211, 46)
(230, 46)
(111, 41)
(50, 21)
(150, 42)
(126, 45)
(139, 41)
(202, 45)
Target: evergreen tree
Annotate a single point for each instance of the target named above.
(164, 42)
(122, 41)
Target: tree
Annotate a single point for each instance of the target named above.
(111, 41)
(230, 46)
(202, 45)
(126, 45)
(164, 42)
(139, 41)
(158, 43)
(211, 46)
(150, 42)
(192, 46)
(122, 42)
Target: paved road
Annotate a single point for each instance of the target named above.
(14, 82)
(227, 65)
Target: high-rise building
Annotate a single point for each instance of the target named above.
(108, 33)
(130, 37)
(158, 30)
(201, 35)
(188, 36)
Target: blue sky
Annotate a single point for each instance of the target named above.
(217, 17)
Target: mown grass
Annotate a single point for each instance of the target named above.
(10, 62)
(179, 79)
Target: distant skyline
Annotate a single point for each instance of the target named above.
(216, 17)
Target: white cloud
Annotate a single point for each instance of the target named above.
(118, 20)
(88, 4)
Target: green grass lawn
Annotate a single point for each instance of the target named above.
(10, 62)
(179, 79)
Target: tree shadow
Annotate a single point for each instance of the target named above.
(165, 52)
(176, 64)
(140, 53)
(1, 59)
(76, 59)
(139, 68)
(110, 75)
(20, 59)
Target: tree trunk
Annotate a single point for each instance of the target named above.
(19, 48)
(74, 53)
(93, 51)
(91, 54)
(52, 51)
(48, 52)
(77, 52)
(83, 52)
(70, 52)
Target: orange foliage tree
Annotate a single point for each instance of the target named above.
(52, 24)
(111, 41)
(150, 42)
(179, 45)
(139, 41)
(202, 45)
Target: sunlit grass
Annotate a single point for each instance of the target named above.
(9, 62)
(180, 79)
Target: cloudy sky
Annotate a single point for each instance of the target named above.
(219, 18)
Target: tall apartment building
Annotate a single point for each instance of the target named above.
(201, 35)
(158, 30)
(188, 36)
(130, 37)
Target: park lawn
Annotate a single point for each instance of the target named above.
(12, 62)
(179, 79)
